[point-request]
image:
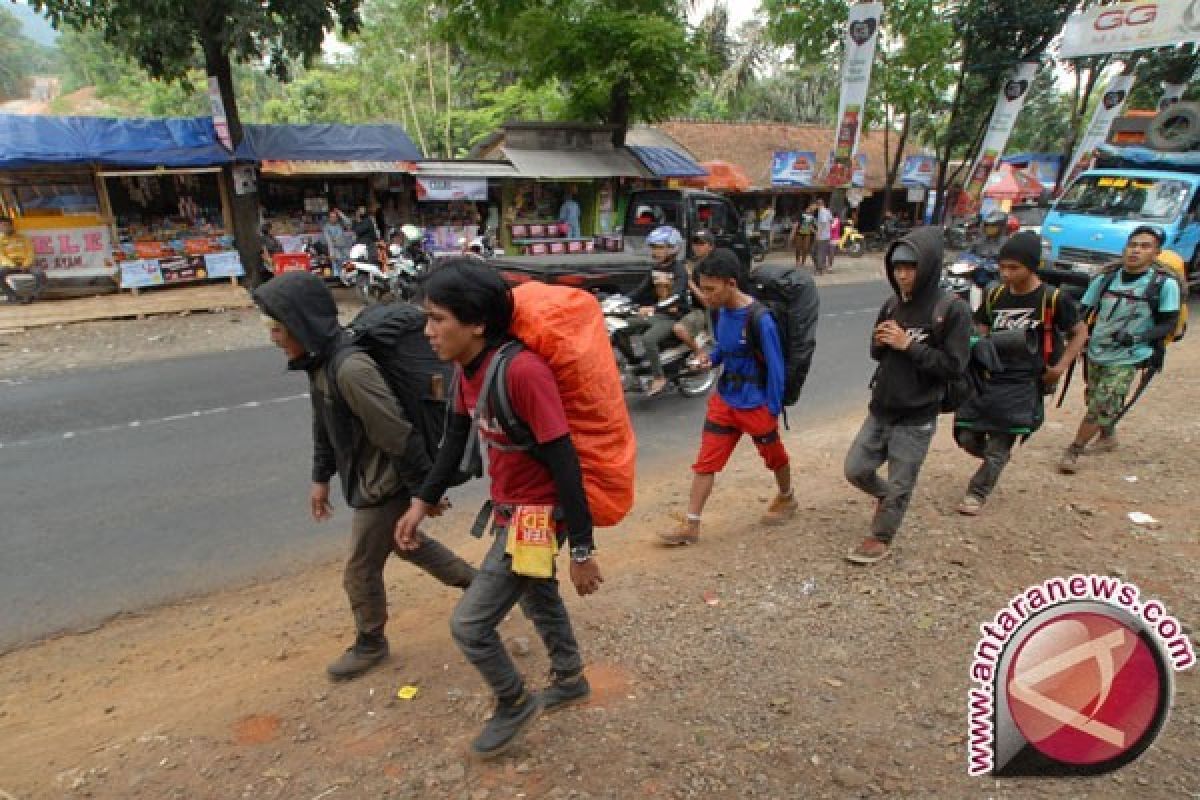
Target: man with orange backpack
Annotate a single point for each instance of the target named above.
(1132, 310)
(508, 394)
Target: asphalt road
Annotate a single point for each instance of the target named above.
(131, 486)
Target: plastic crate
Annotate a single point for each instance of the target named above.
(575, 246)
(536, 231)
(520, 231)
(558, 247)
(537, 249)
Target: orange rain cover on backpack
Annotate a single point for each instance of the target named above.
(565, 327)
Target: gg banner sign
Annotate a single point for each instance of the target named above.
(1130, 26)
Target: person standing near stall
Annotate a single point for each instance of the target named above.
(569, 213)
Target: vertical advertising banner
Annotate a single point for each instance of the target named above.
(220, 121)
(1107, 110)
(1004, 118)
(862, 31)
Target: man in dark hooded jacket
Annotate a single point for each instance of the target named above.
(359, 432)
(918, 356)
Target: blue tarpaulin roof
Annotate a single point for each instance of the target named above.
(327, 143)
(668, 163)
(1025, 158)
(38, 141)
(1145, 157)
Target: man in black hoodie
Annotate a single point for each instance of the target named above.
(921, 341)
(359, 432)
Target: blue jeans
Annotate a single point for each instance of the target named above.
(493, 593)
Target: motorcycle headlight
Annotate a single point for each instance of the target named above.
(961, 268)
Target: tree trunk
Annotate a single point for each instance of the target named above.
(618, 111)
(894, 166)
(1083, 94)
(944, 151)
(244, 206)
(449, 101)
(412, 105)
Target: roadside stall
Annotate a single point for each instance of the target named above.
(456, 201)
(136, 202)
(307, 171)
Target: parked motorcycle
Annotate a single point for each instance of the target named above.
(968, 276)
(758, 247)
(623, 322)
(852, 243)
(395, 279)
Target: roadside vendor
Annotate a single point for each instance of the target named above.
(16, 256)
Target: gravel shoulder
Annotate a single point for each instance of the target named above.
(756, 664)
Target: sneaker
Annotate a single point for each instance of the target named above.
(563, 692)
(684, 533)
(781, 509)
(1105, 444)
(1069, 463)
(367, 651)
(869, 551)
(970, 506)
(506, 726)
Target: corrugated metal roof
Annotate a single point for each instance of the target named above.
(567, 164)
(667, 162)
(467, 169)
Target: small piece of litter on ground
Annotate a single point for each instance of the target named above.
(1131, 478)
(407, 692)
(711, 598)
(1143, 519)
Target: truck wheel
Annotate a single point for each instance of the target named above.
(1176, 129)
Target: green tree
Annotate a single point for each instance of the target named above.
(617, 60)
(163, 38)
(19, 56)
(1045, 121)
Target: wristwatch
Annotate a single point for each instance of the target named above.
(581, 554)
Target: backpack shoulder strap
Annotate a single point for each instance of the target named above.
(333, 366)
(753, 336)
(993, 296)
(494, 399)
(941, 309)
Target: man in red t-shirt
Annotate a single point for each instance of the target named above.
(537, 495)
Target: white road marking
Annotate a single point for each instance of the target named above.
(138, 423)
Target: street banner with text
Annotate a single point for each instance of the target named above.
(1004, 117)
(862, 32)
(1107, 110)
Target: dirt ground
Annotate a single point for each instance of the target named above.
(757, 664)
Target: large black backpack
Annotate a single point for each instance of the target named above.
(393, 335)
(790, 296)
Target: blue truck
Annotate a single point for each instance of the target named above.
(1129, 186)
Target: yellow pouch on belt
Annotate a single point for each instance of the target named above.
(533, 541)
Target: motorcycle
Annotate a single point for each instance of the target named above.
(622, 320)
(395, 279)
(483, 245)
(758, 247)
(959, 235)
(968, 276)
(852, 242)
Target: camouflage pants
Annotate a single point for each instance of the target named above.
(1107, 387)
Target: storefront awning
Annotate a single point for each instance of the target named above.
(575, 164)
(328, 143)
(39, 141)
(666, 162)
(334, 167)
(466, 169)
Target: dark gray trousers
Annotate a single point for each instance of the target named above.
(994, 448)
(904, 448)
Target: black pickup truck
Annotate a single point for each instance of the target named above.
(688, 210)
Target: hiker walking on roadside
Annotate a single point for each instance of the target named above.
(921, 340)
(1132, 309)
(470, 311)
(749, 395)
(1024, 322)
(361, 434)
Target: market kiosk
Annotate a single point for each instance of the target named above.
(307, 171)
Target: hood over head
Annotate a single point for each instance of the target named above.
(926, 242)
(302, 303)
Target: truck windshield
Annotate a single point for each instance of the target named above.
(647, 213)
(1135, 198)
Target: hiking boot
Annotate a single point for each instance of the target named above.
(970, 506)
(506, 726)
(781, 509)
(367, 651)
(1105, 444)
(684, 533)
(1069, 463)
(563, 692)
(869, 551)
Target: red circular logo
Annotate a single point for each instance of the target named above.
(1084, 689)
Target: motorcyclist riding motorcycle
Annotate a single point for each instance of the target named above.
(995, 234)
(663, 299)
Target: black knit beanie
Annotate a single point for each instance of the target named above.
(1024, 248)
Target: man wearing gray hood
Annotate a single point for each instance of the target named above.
(360, 433)
(921, 340)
